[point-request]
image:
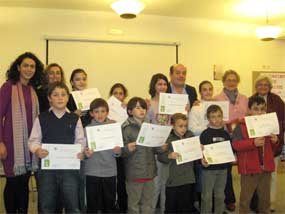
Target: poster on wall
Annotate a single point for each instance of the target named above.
(278, 81)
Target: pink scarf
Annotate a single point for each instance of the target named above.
(23, 161)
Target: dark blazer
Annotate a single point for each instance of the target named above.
(191, 91)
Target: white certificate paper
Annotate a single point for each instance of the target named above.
(218, 153)
(83, 98)
(152, 135)
(116, 111)
(104, 137)
(223, 104)
(172, 103)
(262, 125)
(189, 149)
(61, 156)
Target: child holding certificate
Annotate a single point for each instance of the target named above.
(57, 126)
(78, 81)
(180, 183)
(214, 176)
(139, 160)
(255, 161)
(100, 167)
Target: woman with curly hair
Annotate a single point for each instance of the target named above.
(18, 109)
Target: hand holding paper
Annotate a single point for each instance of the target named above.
(188, 149)
(262, 125)
(172, 103)
(152, 135)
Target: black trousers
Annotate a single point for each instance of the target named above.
(122, 200)
(16, 194)
(101, 194)
(180, 199)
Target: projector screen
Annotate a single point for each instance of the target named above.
(109, 63)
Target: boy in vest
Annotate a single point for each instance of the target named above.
(57, 126)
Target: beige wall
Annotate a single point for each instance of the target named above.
(203, 42)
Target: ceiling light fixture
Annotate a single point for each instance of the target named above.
(268, 32)
(128, 9)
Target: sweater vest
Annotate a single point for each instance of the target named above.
(58, 130)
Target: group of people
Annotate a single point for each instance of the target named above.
(36, 108)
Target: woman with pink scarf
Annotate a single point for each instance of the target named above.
(237, 110)
(18, 109)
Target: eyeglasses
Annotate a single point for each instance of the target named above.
(231, 80)
(263, 85)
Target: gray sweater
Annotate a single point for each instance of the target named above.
(178, 174)
(103, 163)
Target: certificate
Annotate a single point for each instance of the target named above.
(61, 156)
(83, 98)
(262, 125)
(104, 137)
(116, 111)
(152, 135)
(218, 153)
(172, 103)
(223, 104)
(189, 149)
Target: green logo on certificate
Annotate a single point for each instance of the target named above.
(141, 140)
(179, 158)
(46, 163)
(162, 108)
(93, 145)
(80, 106)
(210, 160)
(252, 132)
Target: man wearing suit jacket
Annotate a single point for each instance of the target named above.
(177, 83)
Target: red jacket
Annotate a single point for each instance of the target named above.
(248, 154)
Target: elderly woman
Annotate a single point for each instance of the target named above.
(237, 110)
(263, 86)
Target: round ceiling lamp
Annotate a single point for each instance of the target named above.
(268, 32)
(128, 9)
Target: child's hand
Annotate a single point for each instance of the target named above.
(88, 152)
(78, 112)
(173, 155)
(164, 147)
(3, 151)
(80, 156)
(204, 162)
(41, 153)
(117, 150)
(274, 138)
(259, 141)
(132, 146)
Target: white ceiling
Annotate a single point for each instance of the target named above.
(232, 10)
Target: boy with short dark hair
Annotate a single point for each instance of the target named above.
(181, 179)
(140, 162)
(214, 176)
(101, 167)
(255, 158)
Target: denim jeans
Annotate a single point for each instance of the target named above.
(213, 181)
(54, 182)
